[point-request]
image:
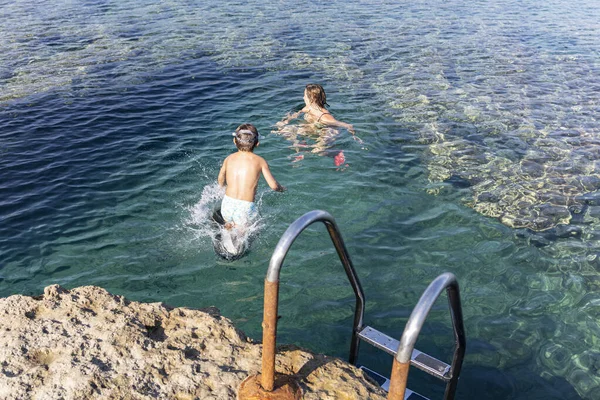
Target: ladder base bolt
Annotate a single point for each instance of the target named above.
(286, 388)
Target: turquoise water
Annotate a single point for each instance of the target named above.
(479, 122)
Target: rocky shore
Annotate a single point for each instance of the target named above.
(86, 343)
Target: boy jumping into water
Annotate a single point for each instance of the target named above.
(240, 173)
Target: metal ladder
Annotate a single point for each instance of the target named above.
(403, 351)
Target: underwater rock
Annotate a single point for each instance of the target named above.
(592, 199)
(547, 237)
(531, 168)
(85, 343)
(531, 184)
(487, 197)
(566, 231)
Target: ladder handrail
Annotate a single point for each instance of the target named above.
(415, 323)
(412, 329)
(272, 290)
(286, 241)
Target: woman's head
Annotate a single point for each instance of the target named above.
(246, 137)
(315, 94)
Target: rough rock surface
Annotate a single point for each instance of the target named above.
(85, 343)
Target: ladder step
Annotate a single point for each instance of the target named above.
(423, 361)
(384, 383)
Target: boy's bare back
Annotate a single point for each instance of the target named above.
(241, 172)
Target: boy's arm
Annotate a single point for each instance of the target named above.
(222, 173)
(271, 181)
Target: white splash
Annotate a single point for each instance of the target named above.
(230, 243)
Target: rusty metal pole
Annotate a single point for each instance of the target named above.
(262, 386)
(413, 328)
(269, 326)
(398, 380)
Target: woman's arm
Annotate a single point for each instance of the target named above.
(330, 120)
(290, 117)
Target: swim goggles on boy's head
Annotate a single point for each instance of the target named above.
(252, 136)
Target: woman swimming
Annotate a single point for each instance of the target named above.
(320, 120)
(315, 111)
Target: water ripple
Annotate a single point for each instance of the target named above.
(114, 116)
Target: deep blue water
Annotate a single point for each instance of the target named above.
(481, 158)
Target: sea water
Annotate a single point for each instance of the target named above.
(479, 158)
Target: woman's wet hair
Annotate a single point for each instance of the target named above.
(246, 137)
(316, 94)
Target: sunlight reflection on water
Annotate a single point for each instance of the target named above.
(494, 106)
